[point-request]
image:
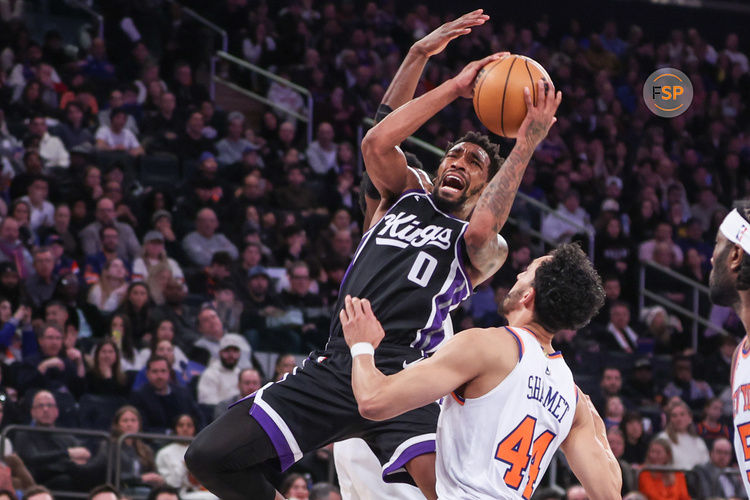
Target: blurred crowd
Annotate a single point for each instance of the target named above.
(154, 245)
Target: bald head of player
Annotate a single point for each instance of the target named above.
(559, 291)
(729, 282)
(466, 168)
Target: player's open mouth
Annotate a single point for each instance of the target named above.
(453, 182)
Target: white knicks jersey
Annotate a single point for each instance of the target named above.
(741, 411)
(499, 445)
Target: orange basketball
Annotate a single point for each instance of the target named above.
(498, 92)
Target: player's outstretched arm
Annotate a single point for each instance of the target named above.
(404, 84)
(485, 252)
(381, 397)
(587, 450)
(384, 161)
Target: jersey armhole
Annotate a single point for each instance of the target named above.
(518, 341)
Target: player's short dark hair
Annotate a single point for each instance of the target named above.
(568, 290)
(484, 142)
(743, 275)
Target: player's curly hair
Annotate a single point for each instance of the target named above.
(484, 142)
(743, 275)
(568, 290)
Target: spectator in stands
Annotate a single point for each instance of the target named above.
(154, 253)
(636, 439)
(324, 491)
(116, 137)
(613, 250)
(218, 382)
(163, 128)
(105, 377)
(163, 492)
(11, 248)
(51, 148)
(189, 94)
(232, 147)
(609, 385)
(170, 461)
(206, 281)
(712, 480)
(37, 493)
(285, 363)
(520, 257)
(181, 316)
(689, 449)
(662, 234)
(68, 293)
(617, 444)
(137, 307)
(52, 368)
(662, 485)
(560, 230)
(212, 334)
(54, 460)
(121, 331)
(116, 102)
(159, 401)
(295, 486)
(42, 211)
(73, 131)
(619, 336)
(248, 381)
(694, 392)
(614, 411)
(296, 194)
(41, 285)
(104, 492)
(316, 317)
(192, 143)
(127, 248)
(201, 244)
(641, 387)
(109, 292)
(712, 427)
(322, 153)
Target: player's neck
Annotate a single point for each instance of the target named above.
(743, 312)
(524, 318)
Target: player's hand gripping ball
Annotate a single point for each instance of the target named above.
(498, 92)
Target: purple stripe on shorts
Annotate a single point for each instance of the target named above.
(283, 450)
(409, 453)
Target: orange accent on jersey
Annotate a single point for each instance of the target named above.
(519, 449)
(744, 431)
(458, 398)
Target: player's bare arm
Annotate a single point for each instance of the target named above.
(479, 357)
(384, 160)
(485, 250)
(404, 84)
(591, 459)
(401, 90)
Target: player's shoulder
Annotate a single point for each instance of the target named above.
(496, 344)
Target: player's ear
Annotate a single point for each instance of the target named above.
(735, 258)
(528, 297)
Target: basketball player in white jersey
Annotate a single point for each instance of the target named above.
(509, 400)
(729, 284)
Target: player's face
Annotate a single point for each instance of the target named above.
(523, 283)
(721, 282)
(461, 176)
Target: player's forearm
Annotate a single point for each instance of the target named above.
(368, 384)
(403, 122)
(495, 202)
(404, 83)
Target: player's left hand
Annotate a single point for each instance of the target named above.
(540, 116)
(437, 40)
(359, 322)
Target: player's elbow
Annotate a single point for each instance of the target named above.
(374, 142)
(371, 409)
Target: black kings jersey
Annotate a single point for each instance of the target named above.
(410, 267)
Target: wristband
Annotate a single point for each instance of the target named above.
(362, 348)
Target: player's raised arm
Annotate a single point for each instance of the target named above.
(587, 450)
(381, 397)
(492, 210)
(384, 161)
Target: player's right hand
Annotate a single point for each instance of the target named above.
(464, 81)
(437, 40)
(359, 322)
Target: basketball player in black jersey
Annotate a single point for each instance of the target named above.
(426, 247)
